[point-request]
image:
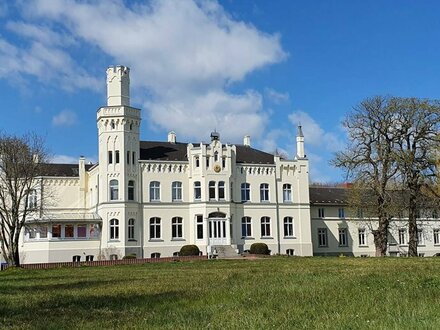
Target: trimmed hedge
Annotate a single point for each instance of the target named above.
(129, 256)
(189, 250)
(259, 248)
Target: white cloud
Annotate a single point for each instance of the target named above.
(183, 52)
(64, 118)
(276, 97)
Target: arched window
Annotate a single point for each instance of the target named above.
(155, 228)
(264, 192)
(114, 190)
(221, 190)
(197, 161)
(265, 227)
(197, 190)
(288, 227)
(114, 229)
(131, 224)
(216, 156)
(131, 190)
(177, 227)
(155, 255)
(211, 189)
(112, 124)
(154, 191)
(176, 191)
(287, 192)
(245, 192)
(246, 227)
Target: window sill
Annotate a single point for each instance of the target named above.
(323, 246)
(363, 246)
(289, 237)
(132, 240)
(266, 237)
(155, 201)
(177, 201)
(155, 240)
(287, 202)
(247, 237)
(113, 241)
(178, 240)
(343, 246)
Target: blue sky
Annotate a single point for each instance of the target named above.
(241, 67)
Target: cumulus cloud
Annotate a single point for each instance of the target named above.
(183, 55)
(64, 118)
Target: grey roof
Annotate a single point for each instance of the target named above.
(328, 195)
(153, 150)
(61, 170)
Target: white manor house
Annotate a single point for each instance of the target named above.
(150, 198)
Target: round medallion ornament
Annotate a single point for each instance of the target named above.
(217, 168)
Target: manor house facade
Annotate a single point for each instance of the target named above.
(149, 198)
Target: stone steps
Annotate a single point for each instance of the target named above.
(225, 251)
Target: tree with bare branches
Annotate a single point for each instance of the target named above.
(21, 195)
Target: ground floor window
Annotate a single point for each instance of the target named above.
(265, 227)
(76, 258)
(176, 227)
(89, 258)
(436, 236)
(290, 252)
(343, 239)
(322, 237)
(246, 227)
(362, 237)
(155, 255)
(199, 219)
(288, 227)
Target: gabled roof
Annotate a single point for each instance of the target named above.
(62, 170)
(154, 150)
(328, 195)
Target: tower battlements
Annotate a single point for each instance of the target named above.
(118, 85)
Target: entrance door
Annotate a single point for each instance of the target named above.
(217, 232)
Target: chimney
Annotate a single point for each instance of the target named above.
(172, 137)
(300, 143)
(247, 141)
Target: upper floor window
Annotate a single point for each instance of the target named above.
(32, 201)
(246, 227)
(197, 161)
(402, 236)
(154, 191)
(176, 227)
(264, 192)
(216, 156)
(436, 236)
(117, 156)
(287, 192)
(197, 190)
(341, 212)
(114, 229)
(176, 191)
(288, 227)
(131, 223)
(112, 124)
(110, 157)
(207, 161)
(420, 238)
(224, 162)
(265, 227)
(221, 190)
(211, 189)
(114, 190)
(155, 228)
(131, 190)
(245, 192)
(321, 213)
(128, 157)
(343, 239)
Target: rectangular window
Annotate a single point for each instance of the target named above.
(176, 191)
(131, 229)
(341, 213)
(420, 238)
(68, 231)
(42, 231)
(176, 227)
(207, 161)
(199, 226)
(224, 162)
(197, 190)
(265, 227)
(56, 231)
(32, 199)
(436, 236)
(133, 154)
(288, 227)
(287, 193)
(110, 157)
(321, 213)
(154, 228)
(362, 237)
(117, 156)
(360, 213)
(128, 157)
(89, 258)
(154, 191)
(81, 231)
(221, 190)
(322, 237)
(343, 239)
(264, 192)
(245, 192)
(211, 189)
(246, 227)
(402, 236)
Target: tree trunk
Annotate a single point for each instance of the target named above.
(412, 226)
(381, 238)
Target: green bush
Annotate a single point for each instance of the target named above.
(129, 256)
(189, 250)
(259, 248)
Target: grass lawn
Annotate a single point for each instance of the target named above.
(276, 293)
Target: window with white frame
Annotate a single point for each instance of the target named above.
(343, 237)
(322, 237)
(199, 221)
(264, 192)
(420, 238)
(321, 213)
(341, 212)
(265, 227)
(436, 236)
(287, 193)
(154, 191)
(155, 228)
(221, 190)
(155, 255)
(197, 190)
(288, 227)
(197, 161)
(176, 227)
(245, 192)
(89, 258)
(114, 229)
(290, 252)
(114, 190)
(362, 237)
(131, 224)
(76, 259)
(246, 227)
(32, 202)
(176, 191)
(402, 236)
(211, 190)
(131, 190)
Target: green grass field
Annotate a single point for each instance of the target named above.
(275, 293)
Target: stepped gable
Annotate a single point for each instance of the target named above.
(62, 170)
(155, 150)
(328, 195)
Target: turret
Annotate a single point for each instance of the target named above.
(300, 143)
(118, 86)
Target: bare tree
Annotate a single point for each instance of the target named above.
(369, 160)
(21, 195)
(417, 124)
